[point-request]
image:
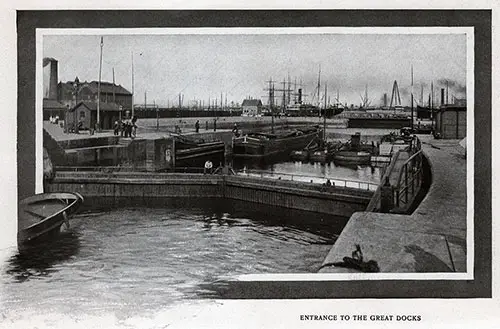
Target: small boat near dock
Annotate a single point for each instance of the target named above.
(354, 152)
(42, 215)
(358, 157)
(261, 145)
(305, 153)
(190, 151)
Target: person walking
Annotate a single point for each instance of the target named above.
(197, 126)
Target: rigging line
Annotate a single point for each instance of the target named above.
(189, 83)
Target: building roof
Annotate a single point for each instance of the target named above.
(53, 104)
(251, 102)
(92, 106)
(106, 87)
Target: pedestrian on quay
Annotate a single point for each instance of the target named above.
(79, 126)
(197, 126)
(129, 128)
(235, 130)
(208, 167)
(206, 125)
(134, 127)
(125, 128)
(215, 124)
(116, 128)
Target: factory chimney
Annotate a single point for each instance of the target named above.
(300, 96)
(442, 96)
(53, 79)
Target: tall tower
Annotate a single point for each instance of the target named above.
(53, 78)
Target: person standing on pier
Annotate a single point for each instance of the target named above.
(215, 124)
(235, 130)
(116, 128)
(134, 127)
(208, 167)
(197, 126)
(127, 128)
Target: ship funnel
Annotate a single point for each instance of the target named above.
(442, 96)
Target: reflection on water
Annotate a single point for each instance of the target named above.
(332, 170)
(38, 259)
(137, 259)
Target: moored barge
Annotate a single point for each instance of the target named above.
(261, 145)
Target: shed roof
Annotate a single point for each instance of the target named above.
(53, 104)
(92, 106)
(252, 102)
(106, 87)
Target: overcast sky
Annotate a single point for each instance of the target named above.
(203, 66)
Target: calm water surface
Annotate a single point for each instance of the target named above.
(137, 259)
(140, 259)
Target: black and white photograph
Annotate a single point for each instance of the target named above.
(183, 164)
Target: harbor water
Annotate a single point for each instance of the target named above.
(140, 259)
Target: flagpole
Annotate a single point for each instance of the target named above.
(412, 96)
(99, 89)
(132, 84)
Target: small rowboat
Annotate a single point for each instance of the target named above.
(321, 156)
(358, 157)
(41, 216)
(299, 155)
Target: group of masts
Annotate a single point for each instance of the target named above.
(289, 95)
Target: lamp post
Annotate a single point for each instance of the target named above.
(66, 116)
(76, 86)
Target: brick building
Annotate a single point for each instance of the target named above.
(87, 91)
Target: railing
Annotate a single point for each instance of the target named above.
(339, 182)
(374, 204)
(411, 172)
(410, 176)
(409, 180)
(112, 169)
